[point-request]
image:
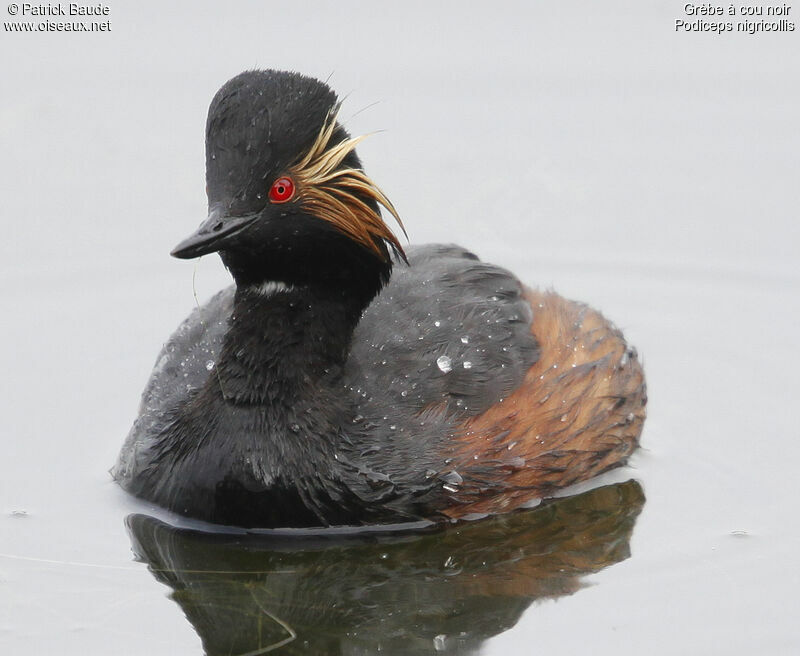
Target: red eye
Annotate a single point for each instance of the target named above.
(282, 190)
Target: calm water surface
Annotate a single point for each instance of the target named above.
(589, 149)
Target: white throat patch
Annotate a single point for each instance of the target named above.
(271, 287)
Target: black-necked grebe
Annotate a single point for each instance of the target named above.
(344, 380)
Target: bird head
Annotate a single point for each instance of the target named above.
(288, 198)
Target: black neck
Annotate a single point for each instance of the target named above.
(317, 256)
(284, 343)
(296, 306)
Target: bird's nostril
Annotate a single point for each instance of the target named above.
(217, 226)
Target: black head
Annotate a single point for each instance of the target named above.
(288, 200)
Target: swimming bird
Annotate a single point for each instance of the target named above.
(346, 380)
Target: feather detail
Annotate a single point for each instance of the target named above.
(341, 196)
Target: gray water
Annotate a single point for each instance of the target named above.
(588, 148)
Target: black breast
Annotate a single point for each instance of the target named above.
(447, 338)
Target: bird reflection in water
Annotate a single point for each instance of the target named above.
(442, 590)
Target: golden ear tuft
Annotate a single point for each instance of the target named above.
(340, 195)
